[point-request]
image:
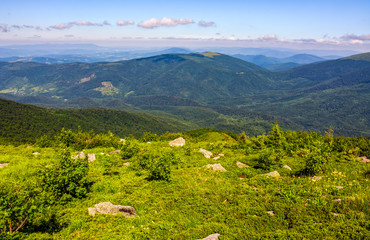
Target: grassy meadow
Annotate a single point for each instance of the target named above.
(325, 195)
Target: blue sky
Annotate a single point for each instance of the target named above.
(323, 24)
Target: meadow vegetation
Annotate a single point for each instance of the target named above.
(47, 188)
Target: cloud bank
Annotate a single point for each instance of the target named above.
(78, 23)
(124, 23)
(164, 22)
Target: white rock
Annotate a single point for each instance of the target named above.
(272, 174)
(211, 237)
(241, 165)
(3, 165)
(206, 153)
(91, 157)
(287, 167)
(178, 142)
(216, 167)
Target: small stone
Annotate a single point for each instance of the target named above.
(122, 140)
(241, 165)
(178, 142)
(216, 158)
(271, 213)
(364, 159)
(81, 155)
(221, 155)
(287, 167)
(337, 214)
(337, 200)
(91, 157)
(36, 153)
(211, 237)
(206, 153)
(126, 164)
(114, 152)
(339, 187)
(316, 178)
(3, 165)
(272, 174)
(216, 167)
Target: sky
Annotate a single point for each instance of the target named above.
(311, 24)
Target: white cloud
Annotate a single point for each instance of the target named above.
(206, 24)
(356, 37)
(270, 37)
(77, 23)
(124, 23)
(164, 22)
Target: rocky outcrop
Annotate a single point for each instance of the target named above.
(109, 208)
(178, 142)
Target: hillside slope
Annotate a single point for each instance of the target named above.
(26, 123)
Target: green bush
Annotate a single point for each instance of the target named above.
(160, 169)
(267, 158)
(129, 149)
(66, 179)
(19, 205)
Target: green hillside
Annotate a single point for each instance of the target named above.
(21, 123)
(313, 96)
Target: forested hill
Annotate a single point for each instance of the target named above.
(25, 123)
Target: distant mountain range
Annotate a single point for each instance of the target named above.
(317, 95)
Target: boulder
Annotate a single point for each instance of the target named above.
(241, 165)
(206, 153)
(272, 174)
(211, 237)
(216, 167)
(178, 142)
(109, 208)
(91, 157)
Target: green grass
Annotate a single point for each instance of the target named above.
(197, 202)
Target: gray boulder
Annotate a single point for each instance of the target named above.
(109, 208)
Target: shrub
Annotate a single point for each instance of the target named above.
(19, 204)
(129, 149)
(67, 178)
(160, 169)
(149, 137)
(267, 158)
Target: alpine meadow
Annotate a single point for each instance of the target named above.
(192, 120)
